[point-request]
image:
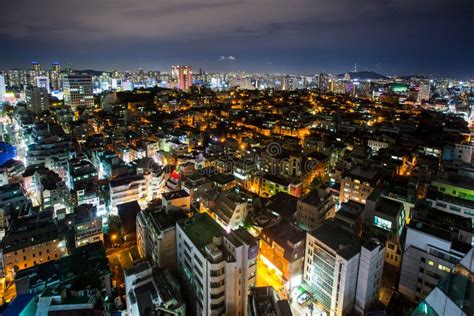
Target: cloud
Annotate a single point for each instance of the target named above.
(308, 34)
(222, 58)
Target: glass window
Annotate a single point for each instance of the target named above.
(382, 223)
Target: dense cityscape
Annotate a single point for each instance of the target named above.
(186, 192)
(237, 158)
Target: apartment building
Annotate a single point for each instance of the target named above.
(342, 271)
(156, 235)
(30, 241)
(435, 242)
(218, 268)
(358, 183)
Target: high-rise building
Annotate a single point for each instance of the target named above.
(37, 99)
(35, 71)
(17, 78)
(55, 76)
(218, 268)
(78, 92)
(424, 92)
(185, 77)
(2, 88)
(42, 82)
(343, 272)
(174, 72)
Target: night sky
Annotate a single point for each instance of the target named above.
(293, 36)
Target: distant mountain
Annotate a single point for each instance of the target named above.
(363, 75)
(89, 72)
(413, 77)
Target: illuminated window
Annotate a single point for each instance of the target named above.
(431, 262)
(441, 267)
(382, 223)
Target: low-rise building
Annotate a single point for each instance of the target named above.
(178, 200)
(358, 183)
(156, 235)
(231, 209)
(30, 241)
(126, 189)
(315, 208)
(264, 301)
(151, 290)
(282, 250)
(87, 225)
(385, 220)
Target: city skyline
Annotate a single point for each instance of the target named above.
(390, 37)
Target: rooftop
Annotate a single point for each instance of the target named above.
(283, 204)
(363, 174)
(174, 195)
(344, 243)
(389, 207)
(201, 229)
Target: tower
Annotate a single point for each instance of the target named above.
(185, 77)
(78, 92)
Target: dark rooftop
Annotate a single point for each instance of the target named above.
(174, 195)
(283, 204)
(344, 243)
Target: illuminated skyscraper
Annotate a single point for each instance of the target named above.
(78, 92)
(174, 72)
(35, 71)
(2, 88)
(55, 76)
(185, 77)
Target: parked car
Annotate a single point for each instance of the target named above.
(303, 298)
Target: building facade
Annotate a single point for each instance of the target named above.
(218, 268)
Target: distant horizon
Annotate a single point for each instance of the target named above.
(47, 66)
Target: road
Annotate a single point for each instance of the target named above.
(119, 260)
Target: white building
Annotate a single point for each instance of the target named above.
(464, 152)
(217, 267)
(376, 145)
(357, 184)
(78, 92)
(2, 88)
(127, 189)
(42, 82)
(435, 242)
(342, 272)
(231, 209)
